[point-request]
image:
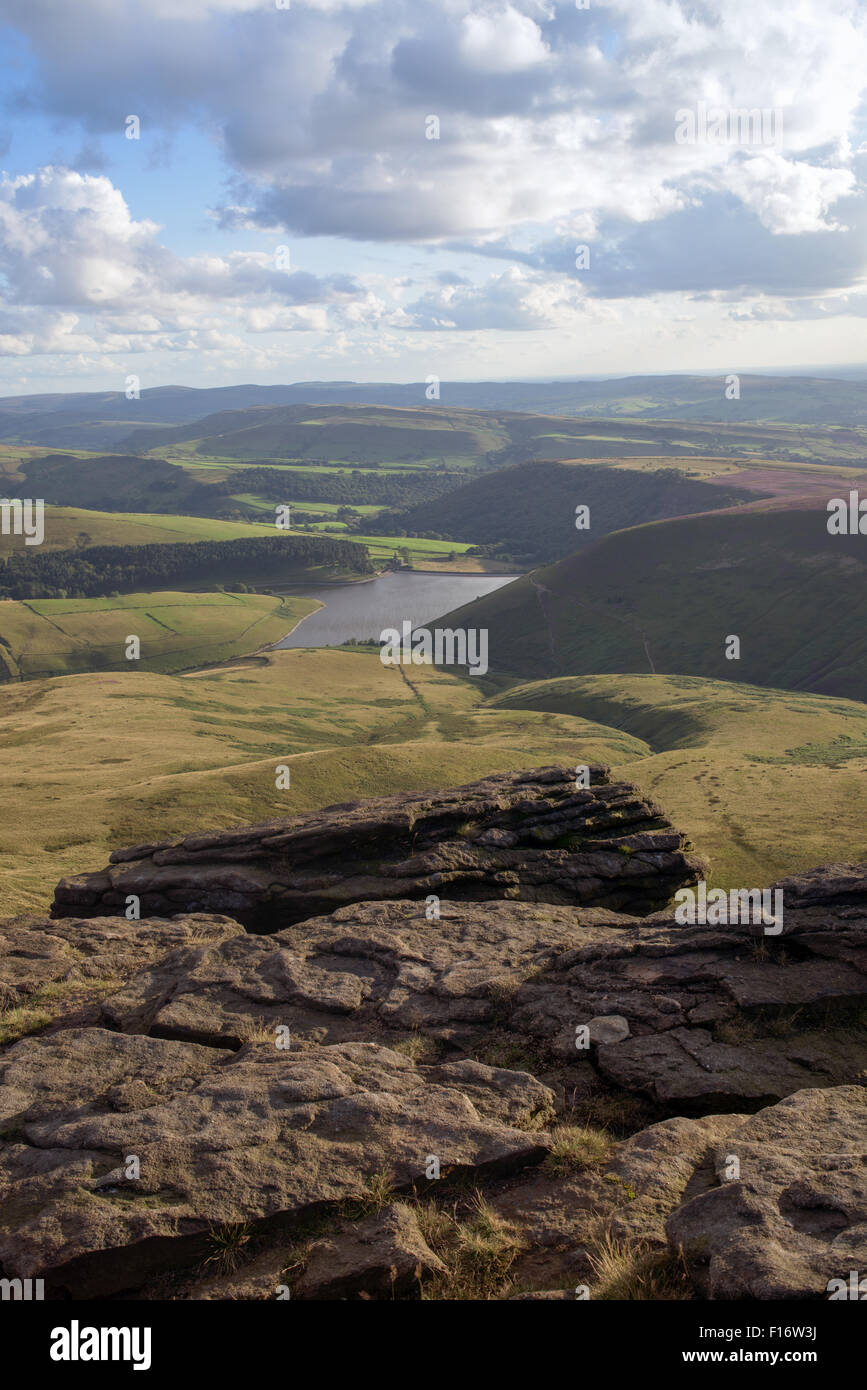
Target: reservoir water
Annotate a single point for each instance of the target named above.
(364, 610)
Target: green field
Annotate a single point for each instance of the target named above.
(46, 637)
(67, 527)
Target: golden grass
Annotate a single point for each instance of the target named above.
(95, 761)
(764, 782)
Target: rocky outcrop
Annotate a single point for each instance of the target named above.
(399, 1096)
(525, 836)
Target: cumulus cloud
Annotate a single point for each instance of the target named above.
(545, 111)
(514, 301)
(555, 127)
(79, 272)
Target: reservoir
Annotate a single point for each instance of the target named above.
(364, 610)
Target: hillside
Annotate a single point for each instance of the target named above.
(116, 483)
(529, 511)
(364, 435)
(446, 436)
(147, 756)
(96, 570)
(666, 596)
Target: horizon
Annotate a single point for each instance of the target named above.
(852, 372)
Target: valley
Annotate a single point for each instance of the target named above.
(615, 651)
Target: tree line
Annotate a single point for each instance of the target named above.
(106, 569)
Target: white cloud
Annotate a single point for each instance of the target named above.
(500, 39)
(80, 272)
(789, 196)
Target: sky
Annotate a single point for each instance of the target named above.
(211, 192)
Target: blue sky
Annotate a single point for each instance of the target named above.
(307, 128)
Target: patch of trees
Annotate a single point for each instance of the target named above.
(360, 487)
(107, 569)
(119, 483)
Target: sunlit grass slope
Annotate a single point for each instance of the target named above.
(96, 761)
(765, 782)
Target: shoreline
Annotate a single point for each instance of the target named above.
(262, 652)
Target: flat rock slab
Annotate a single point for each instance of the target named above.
(688, 1068)
(55, 969)
(696, 1019)
(795, 1219)
(221, 1139)
(529, 836)
(359, 972)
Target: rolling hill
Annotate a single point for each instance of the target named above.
(758, 777)
(529, 511)
(664, 598)
(763, 781)
(494, 424)
(104, 418)
(366, 434)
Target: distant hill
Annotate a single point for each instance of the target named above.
(106, 420)
(316, 433)
(450, 437)
(528, 512)
(665, 597)
(809, 398)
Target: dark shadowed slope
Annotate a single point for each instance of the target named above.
(665, 597)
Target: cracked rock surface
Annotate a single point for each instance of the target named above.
(220, 1138)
